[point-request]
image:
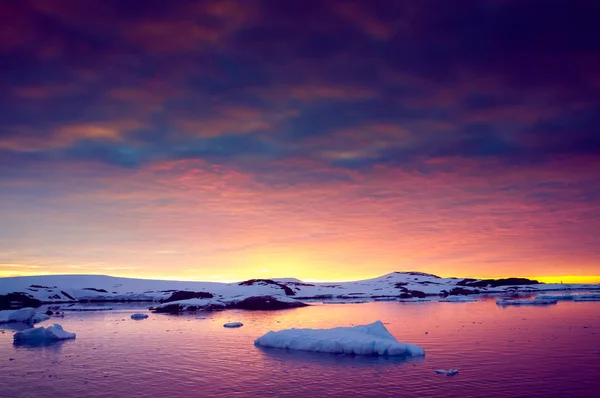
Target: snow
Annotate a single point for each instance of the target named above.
(233, 325)
(139, 316)
(504, 302)
(42, 335)
(371, 339)
(60, 288)
(457, 299)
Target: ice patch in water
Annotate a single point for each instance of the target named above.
(372, 339)
(233, 325)
(42, 335)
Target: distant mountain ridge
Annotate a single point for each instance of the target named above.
(35, 290)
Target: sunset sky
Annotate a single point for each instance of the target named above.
(323, 140)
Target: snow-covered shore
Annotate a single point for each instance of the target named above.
(35, 290)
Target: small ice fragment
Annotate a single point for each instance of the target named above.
(440, 371)
(139, 316)
(233, 325)
(451, 372)
(510, 341)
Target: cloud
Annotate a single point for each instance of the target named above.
(343, 132)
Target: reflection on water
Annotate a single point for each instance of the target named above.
(515, 351)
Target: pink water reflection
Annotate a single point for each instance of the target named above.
(520, 351)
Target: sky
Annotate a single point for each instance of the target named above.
(324, 140)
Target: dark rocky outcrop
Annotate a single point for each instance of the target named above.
(185, 295)
(177, 308)
(42, 287)
(412, 294)
(265, 303)
(459, 291)
(67, 295)
(414, 273)
(287, 290)
(496, 282)
(17, 300)
(418, 294)
(95, 290)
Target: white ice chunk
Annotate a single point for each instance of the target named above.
(43, 335)
(440, 371)
(233, 325)
(451, 372)
(139, 316)
(22, 315)
(372, 339)
(458, 299)
(504, 302)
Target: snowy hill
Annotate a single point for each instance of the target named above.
(403, 285)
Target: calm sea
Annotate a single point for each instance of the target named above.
(500, 352)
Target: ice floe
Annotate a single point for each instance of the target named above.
(23, 315)
(505, 302)
(457, 299)
(42, 335)
(139, 316)
(449, 372)
(413, 300)
(233, 325)
(371, 339)
(587, 297)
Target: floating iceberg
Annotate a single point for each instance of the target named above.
(372, 339)
(233, 325)
(457, 299)
(139, 316)
(504, 302)
(22, 315)
(449, 372)
(42, 335)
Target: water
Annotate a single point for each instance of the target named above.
(516, 351)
